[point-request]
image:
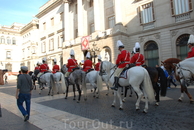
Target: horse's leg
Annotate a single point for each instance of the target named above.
(125, 95)
(121, 90)
(58, 86)
(120, 100)
(114, 101)
(107, 88)
(146, 101)
(140, 94)
(79, 91)
(40, 87)
(184, 89)
(67, 91)
(74, 92)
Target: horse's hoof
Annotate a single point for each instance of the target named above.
(121, 93)
(180, 100)
(57, 92)
(107, 94)
(145, 112)
(137, 109)
(120, 108)
(74, 99)
(52, 95)
(94, 96)
(91, 90)
(63, 93)
(123, 100)
(39, 93)
(112, 105)
(130, 95)
(97, 97)
(65, 97)
(85, 99)
(77, 101)
(156, 104)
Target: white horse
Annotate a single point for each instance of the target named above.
(58, 76)
(185, 71)
(137, 77)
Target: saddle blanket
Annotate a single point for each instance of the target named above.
(124, 74)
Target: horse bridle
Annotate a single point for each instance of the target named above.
(103, 72)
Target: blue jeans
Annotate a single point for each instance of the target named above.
(24, 98)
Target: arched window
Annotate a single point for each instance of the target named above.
(2, 39)
(13, 41)
(151, 54)
(182, 48)
(8, 40)
(106, 54)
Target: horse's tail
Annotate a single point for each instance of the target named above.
(52, 82)
(63, 84)
(83, 77)
(163, 81)
(147, 85)
(99, 81)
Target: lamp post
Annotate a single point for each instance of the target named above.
(94, 50)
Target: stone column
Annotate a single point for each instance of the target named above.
(118, 11)
(97, 18)
(66, 20)
(80, 18)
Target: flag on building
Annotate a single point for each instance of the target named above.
(85, 43)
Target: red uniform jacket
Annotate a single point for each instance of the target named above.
(43, 68)
(55, 69)
(97, 66)
(71, 63)
(123, 59)
(138, 59)
(37, 68)
(191, 53)
(87, 65)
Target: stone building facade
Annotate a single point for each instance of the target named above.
(162, 27)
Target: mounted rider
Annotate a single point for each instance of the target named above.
(138, 58)
(37, 66)
(71, 63)
(191, 47)
(87, 63)
(43, 68)
(123, 59)
(97, 65)
(56, 67)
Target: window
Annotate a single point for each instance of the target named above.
(182, 48)
(51, 44)
(111, 22)
(91, 3)
(60, 41)
(44, 25)
(91, 28)
(8, 54)
(151, 54)
(23, 53)
(180, 6)
(43, 47)
(13, 41)
(76, 33)
(2, 39)
(75, 8)
(28, 52)
(8, 40)
(61, 16)
(52, 21)
(8, 66)
(146, 13)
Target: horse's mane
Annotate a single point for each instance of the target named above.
(109, 65)
(172, 60)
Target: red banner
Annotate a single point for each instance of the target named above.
(85, 43)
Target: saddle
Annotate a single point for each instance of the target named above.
(124, 72)
(76, 68)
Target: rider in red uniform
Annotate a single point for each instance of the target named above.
(138, 59)
(56, 67)
(123, 59)
(43, 68)
(191, 47)
(87, 63)
(37, 67)
(97, 66)
(71, 63)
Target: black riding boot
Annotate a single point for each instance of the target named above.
(116, 84)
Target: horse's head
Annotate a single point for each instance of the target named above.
(105, 67)
(64, 69)
(169, 64)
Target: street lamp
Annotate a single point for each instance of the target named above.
(94, 50)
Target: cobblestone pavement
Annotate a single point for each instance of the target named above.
(57, 113)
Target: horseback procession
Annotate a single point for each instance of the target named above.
(129, 72)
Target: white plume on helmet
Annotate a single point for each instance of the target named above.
(44, 59)
(88, 55)
(72, 52)
(38, 63)
(191, 39)
(137, 45)
(55, 60)
(119, 43)
(134, 51)
(99, 57)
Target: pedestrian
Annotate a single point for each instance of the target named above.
(6, 77)
(23, 92)
(123, 59)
